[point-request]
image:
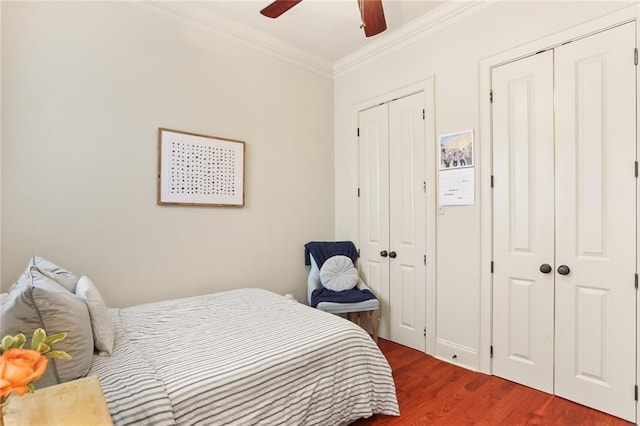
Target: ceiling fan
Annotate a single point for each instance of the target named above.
(371, 13)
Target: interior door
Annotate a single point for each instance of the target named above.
(407, 237)
(523, 287)
(590, 173)
(596, 221)
(373, 205)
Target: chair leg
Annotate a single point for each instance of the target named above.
(374, 322)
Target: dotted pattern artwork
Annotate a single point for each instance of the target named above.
(198, 169)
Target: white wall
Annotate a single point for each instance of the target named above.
(86, 86)
(452, 55)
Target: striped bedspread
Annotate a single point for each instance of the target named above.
(242, 357)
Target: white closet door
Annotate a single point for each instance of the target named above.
(373, 204)
(407, 198)
(523, 296)
(596, 221)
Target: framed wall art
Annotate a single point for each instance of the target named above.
(199, 170)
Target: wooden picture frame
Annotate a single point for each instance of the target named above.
(199, 170)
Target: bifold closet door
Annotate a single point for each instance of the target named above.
(407, 232)
(523, 221)
(564, 152)
(373, 204)
(596, 221)
(392, 217)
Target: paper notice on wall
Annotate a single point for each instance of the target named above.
(456, 187)
(456, 158)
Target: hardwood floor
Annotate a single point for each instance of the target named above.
(434, 392)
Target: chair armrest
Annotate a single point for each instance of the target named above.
(363, 286)
(313, 281)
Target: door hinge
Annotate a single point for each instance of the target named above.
(424, 187)
(635, 392)
(636, 281)
(490, 96)
(425, 262)
(358, 192)
(492, 266)
(491, 351)
(358, 131)
(635, 56)
(492, 181)
(424, 332)
(423, 113)
(636, 168)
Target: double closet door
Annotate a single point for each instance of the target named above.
(391, 214)
(564, 153)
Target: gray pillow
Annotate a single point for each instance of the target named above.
(60, 275)
(103, 334)
(37, 301)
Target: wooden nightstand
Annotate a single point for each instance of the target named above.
(79, 402)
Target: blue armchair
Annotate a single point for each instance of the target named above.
(353, 310)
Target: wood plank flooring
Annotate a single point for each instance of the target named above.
(434, 392)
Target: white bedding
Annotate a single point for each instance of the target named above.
(242, 357)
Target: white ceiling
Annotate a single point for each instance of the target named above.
(329, 29)
(319, 34)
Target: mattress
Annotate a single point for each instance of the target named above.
(241, 357)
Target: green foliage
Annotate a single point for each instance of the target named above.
(38, 337)
(43, 348)
(12, 342)
(19, 340)
(55, 338)
(58, 355)
(39, 342)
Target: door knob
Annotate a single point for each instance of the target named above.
(545, 268)
(392, 255)
(383, 253)
(563, 270)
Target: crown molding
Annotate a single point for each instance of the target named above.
(230, 30)
(441, 17)
(447, 14)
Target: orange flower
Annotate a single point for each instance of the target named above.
(18, 368)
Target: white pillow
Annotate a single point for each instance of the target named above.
(338, 274)
(99, 314)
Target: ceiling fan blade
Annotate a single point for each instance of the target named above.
(372, 17)
(278, 7)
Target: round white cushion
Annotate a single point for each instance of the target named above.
(338, 273)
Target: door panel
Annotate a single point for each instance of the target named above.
(596, 221)
(523, 297)
(373, 209)
(407, 201)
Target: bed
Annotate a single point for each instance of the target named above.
(241, 357)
